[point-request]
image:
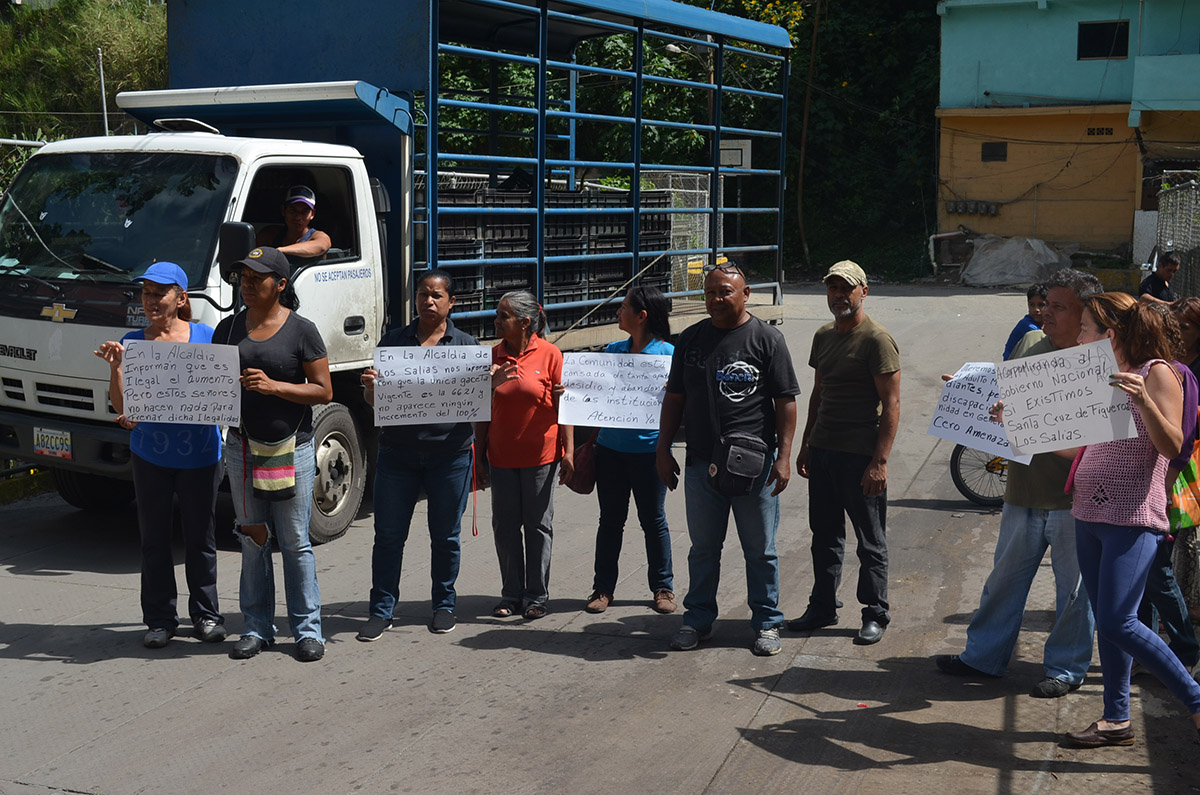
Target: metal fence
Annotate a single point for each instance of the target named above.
(1179, 228)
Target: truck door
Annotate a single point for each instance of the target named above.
(340, 291)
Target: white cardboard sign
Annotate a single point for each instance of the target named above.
(1061, 399)
(613, 390)
(962, 412)
(181, 382)
(441, 383)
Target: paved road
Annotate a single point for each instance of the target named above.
(574, 702)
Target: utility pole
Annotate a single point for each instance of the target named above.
(812, 61)
(103, 99)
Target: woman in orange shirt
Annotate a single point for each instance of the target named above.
(525, 447)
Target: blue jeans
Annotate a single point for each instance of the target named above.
(400, 475)
(757, 519)
(1025, 534)
(1114, 561)
(617, 476)
(1164, 599)
(834, 493)
(287, 521)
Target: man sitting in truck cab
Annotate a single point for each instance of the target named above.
(295, 237)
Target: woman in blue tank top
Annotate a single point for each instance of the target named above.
(171, 461)
(625, 465)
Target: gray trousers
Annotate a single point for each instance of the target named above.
(523, 500)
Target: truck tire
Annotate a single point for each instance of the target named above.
(341, 472)
(92, 492)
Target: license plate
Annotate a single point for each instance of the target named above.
(47, 441)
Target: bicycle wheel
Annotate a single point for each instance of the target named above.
(979, 476)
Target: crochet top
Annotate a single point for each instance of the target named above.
(1122, 482)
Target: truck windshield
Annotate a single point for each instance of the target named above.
(107, 216)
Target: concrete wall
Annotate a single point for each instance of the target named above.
(1059, 183)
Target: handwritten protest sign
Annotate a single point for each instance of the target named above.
(444, 383)
(1062, 399)
(613, 390)
(181, 382)
(962, 412)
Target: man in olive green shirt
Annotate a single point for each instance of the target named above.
(852, 418)
(1036, 517)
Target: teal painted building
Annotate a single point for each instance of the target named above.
(1088, 97)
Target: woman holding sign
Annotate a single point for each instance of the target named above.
(171, 461)
(270, 457)
(625, 464)
(435, 458)
(525, 446)
(1120, 509)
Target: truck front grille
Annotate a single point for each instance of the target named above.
(69, 397)
(14, 389)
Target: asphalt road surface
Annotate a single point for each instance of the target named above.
(572, 703)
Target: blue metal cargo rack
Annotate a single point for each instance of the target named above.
(575, 247)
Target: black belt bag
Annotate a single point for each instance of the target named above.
(737, 461)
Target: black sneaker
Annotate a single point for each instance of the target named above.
(373, 629)
(309, 650)
(443, 622)
(953, 664)
(246, 647)
(209, 630)
(157, 638)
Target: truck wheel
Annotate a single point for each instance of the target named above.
(92, 492)
(341, 472)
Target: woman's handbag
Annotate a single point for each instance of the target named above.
(1183, 503)
(583, 479)
(273, 468)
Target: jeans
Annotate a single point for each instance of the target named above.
(756, 517)
(400, 475)
(617, 475)
(196, 489)
(1164, 599)
(287, 521)
(835, 492)
(523, 500)
(1025, 534)
(1114, 562)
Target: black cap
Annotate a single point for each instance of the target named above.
(265, 259)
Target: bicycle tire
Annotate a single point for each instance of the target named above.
(974, 479)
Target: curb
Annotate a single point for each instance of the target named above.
(19, 488)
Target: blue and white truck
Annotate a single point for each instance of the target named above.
(386, 109)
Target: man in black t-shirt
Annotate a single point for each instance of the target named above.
(731, 372)
(1157, 286)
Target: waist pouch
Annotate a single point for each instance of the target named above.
(737, 461)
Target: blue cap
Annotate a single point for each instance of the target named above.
(164, 273)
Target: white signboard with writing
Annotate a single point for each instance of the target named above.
(613, 390)
(962, 412)
(181, 382)
(1062, 399)
(442, 383)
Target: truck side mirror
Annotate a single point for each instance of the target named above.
(236, 240)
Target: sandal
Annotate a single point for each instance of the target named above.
(535, 611)
(504, 610)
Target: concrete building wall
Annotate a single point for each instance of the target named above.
(1057, 182)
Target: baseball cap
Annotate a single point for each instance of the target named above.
(849, 271)
(164, 273)
(265, 259)
(301, 193)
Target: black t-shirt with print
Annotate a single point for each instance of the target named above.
(749, 366)
(282, 357)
